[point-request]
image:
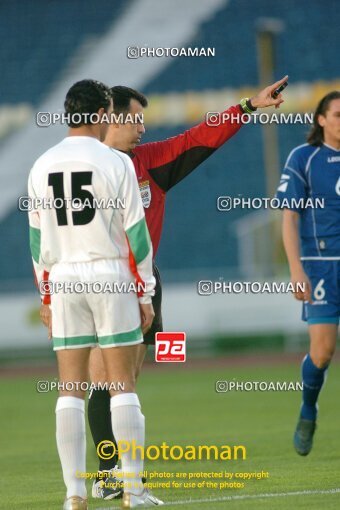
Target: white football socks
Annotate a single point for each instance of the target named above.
(71, 443)
(128, 425)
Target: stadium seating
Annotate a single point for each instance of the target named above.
(195, 234)
(47, 36)
(305, 50)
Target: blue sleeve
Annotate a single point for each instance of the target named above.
(293, 188)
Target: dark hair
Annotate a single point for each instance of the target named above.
(84, 98)
(315, 136)
(122, 96)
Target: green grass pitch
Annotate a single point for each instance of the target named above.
(181, 407)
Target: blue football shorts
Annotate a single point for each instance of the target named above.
(324, 276)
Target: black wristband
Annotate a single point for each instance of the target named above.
(250, 106)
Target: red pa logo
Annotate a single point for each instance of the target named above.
(170, 347)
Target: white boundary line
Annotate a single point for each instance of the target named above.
(244, 496)
(252, 496)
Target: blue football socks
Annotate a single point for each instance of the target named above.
(313, 379)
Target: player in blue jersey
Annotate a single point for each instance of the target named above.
(311, 237)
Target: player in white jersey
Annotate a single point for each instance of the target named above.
(88, 233)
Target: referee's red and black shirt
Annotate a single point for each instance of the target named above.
(161, 165)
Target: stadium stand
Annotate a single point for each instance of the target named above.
(297, 44)
(47, 37)
(33, 63)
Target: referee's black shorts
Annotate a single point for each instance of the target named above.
(157, 325)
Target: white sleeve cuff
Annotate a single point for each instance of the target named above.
(145, 300)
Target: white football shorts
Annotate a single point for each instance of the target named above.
(92, 304)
